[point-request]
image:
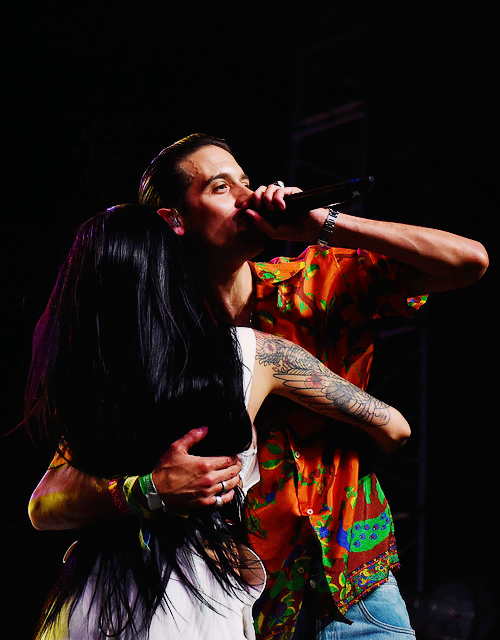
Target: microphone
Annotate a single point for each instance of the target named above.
(298, 203)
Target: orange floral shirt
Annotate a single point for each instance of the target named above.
(313, 492)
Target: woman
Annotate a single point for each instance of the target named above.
(127, 358)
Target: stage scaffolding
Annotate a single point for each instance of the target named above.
(353, 117)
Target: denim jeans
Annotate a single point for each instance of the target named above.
(379, 616)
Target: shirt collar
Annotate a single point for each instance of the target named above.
(277, 270)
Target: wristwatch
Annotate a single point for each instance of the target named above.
(328, 227)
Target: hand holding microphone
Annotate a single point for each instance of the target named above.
(285, 216)
(300, 203)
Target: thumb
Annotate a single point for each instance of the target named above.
(191, 438)
(260, 223)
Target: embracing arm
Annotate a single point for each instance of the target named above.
(67, 498)
(286, 369)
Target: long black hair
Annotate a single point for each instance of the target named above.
(127, 358)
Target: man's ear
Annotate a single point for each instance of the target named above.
(173, 219)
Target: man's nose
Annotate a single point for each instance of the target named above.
(243, 196)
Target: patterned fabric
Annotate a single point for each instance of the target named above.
(314, 488)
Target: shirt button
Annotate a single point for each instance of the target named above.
(309, 512)
(296, 454)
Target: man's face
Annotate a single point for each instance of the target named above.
(216, 201)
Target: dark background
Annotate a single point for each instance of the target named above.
(92, 93)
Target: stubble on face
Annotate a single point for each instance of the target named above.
(215, 199)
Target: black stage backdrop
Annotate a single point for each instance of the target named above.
(92, 93)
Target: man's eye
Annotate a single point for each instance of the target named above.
(220, 187)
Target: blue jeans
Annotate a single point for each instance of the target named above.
(379, 616)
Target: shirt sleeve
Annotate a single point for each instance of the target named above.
(359, 283)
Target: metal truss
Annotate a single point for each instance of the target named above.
(363, 106)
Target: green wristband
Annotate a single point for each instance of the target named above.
(148, 488)
(147, 485)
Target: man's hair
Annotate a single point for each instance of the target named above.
(164, 183)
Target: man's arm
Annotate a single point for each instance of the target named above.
(67, 498)
(437, 260)
(284, 368)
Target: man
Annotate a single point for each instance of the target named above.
(317, 516)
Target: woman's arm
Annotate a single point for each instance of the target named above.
(286, 369)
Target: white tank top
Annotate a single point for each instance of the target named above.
(188, 618)
(249, 464)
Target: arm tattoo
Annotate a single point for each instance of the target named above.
(316, 387)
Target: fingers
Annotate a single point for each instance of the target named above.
(226, 491)
(213, 462)
(271, 197)
(186, 481)
(219, 500)
(230, 483)
(222, 483)
(224, 464)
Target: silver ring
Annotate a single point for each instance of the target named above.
(218, 501)
(223, 483)
(280, 183)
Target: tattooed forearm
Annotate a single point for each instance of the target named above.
(315, 386)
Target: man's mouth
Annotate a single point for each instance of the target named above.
(241, 217)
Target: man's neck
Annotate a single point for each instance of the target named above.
(232, 294)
